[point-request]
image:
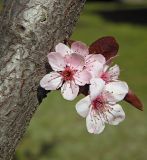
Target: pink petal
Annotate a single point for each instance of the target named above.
(115, 91)
(91, 58)
(94, 124)
(114, 72)
(75, 61)
(96, 87)
(95, 70)
(82, 78)
(57, 61)
(63, 49)
(82, 107)
(80, 48)
(51, 81)
(115, 115)
(95, 64)
(69, 90)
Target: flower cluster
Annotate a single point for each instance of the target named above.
(73, 67)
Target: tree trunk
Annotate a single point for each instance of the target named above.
(29, 30)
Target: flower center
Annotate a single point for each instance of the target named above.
(67, 74)
(105, 76)
(98, 103)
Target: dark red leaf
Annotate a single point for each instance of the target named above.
(107, 46)
(134, 100)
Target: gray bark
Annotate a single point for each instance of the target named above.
(29, 30)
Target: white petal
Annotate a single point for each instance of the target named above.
(105, 68)
(82, 78)
(69, 90)
(114, 72)
(57, 61)
(75, 61)
(115, 91)
(115, 115)
(96, 87)
(63, 49)
(95, 63)
(80, 48)
(95, 70)
(94, 124)
(82, 107)
(51, 81)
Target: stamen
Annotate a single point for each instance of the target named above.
(98, 103)
(67, 74)
(96, 116)
(99, 108)
(106, 77)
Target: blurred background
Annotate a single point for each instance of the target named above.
(58, 133)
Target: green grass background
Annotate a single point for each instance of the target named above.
(58, 133)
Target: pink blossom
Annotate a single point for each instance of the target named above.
(109, 74)
(101, 106)
(67, 72)
(94, 63)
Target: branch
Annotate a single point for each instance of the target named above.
(29, 30)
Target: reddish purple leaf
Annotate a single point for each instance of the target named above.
(107, 46)
(134, 100)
